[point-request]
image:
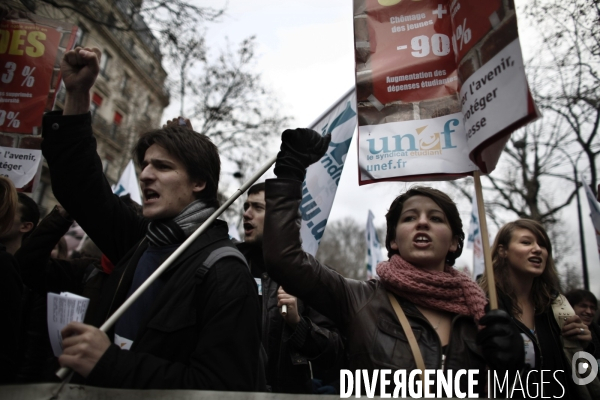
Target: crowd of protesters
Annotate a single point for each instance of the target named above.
(213, 320)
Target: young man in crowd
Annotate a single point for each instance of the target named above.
(197, 326)
(299, 337)
(585, 305)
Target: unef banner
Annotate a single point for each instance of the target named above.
(432, 78)
(30, 51)
(322, 178)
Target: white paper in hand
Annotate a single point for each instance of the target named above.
(62, 309)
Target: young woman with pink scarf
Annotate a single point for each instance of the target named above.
(424, 237)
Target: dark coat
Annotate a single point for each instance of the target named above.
(361, 310)
(42, 274)
(315, 339)
(196, 337)
(549, 354)
(11, 290)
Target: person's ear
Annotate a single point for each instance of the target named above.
(501, 251)
(26, 227)
(393, 244)
(454, 244)
(198, 186)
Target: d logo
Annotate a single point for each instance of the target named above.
(581, 363)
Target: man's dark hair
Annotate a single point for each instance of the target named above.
(30, 212)
(257, 188)
(578, 295)
(195, 151)
(443, 201)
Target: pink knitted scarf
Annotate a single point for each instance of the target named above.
(448, 290)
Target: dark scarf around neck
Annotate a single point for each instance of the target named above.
(172, 231)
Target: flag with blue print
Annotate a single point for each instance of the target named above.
(374, 248)
(594, 211)
(474, 241)
(322, 178)
(128, 184)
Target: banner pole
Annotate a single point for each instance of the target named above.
(63, 373)
(485, 242)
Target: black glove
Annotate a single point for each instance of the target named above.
(500, 342)
(299, 149)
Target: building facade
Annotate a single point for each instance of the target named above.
(129, 95)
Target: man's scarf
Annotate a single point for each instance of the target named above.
(448, 290)
(176, 230)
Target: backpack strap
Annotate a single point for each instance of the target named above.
(216, 255)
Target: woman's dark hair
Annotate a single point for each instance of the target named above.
(195, 151)
(443, 201)
(544, 286)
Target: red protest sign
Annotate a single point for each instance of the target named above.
(468, 29)
(411, 51)
(29, 71)
(440, 85)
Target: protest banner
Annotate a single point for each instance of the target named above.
(322, 178)
(594, 211)
(440, 85)
(31, 52)
(31, 49)
(374, 255)
(19, 165)
(474, 241)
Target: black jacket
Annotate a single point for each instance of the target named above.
(11, 290)
(196, 337)
(361, 310)
(549, 354)
(42, 274)
(315, 339)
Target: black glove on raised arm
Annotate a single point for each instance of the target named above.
(500, 342)
(299, 149)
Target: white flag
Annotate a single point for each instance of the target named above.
(374, 255)
(128, 183)
(233, 233)
(474, 241)
(322, 178)
(594, 211)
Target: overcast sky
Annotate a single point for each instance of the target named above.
(306, 56)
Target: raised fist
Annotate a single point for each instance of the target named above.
(79, 68)
(299, 149)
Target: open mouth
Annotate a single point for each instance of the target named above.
(421, 239)
(150, 195)
(248, 228)
(535, 260)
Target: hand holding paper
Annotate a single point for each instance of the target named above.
(62, 309)
(83, 346)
